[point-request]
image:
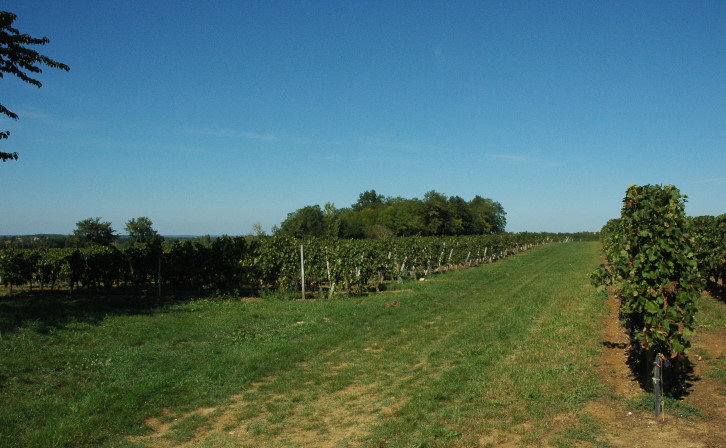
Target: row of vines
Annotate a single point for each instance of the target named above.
(230, 263)
(659, 261)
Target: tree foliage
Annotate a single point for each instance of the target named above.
(18, 60)
(141, 231)
(378, 216)
(307, 221)
(92, 231)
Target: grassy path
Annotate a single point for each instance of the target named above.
(478, 357)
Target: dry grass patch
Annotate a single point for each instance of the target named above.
(256, 418)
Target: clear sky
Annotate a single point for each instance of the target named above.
(211, 116)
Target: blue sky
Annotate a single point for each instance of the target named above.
(209, 117)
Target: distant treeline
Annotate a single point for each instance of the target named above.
(55, 241)
(372, 216)
(376, 216)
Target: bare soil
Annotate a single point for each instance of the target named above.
(624, 427)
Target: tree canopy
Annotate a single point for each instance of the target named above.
(375, 215)
(93, 231)
(141, 231)
(18, 60)
(307, 221)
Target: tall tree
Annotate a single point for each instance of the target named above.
(437, 215)
(368, 199)
(307, 221)
(461, 219)
(258, 230)
(331, 216)
(488, 215)
(141, 231)
(18, 60)
(93, 231)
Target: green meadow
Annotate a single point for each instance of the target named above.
(504, 351)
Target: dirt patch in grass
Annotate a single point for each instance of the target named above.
(622, 425)
(344, 416)
(501, 439)
(255, 418)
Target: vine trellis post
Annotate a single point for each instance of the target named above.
(302, 271)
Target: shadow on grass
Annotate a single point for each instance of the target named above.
(47, 310)
(613, 345)
(717, 290)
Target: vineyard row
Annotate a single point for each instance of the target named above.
(230, 263)
(659, 262)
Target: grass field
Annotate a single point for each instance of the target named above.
(500, 352)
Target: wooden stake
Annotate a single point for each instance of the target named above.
(330, 280)
(302, 270)
(158, 277)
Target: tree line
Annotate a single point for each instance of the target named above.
(372, 216)
(95, 232)
(375, 216)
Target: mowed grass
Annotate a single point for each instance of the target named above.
(476, 357)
